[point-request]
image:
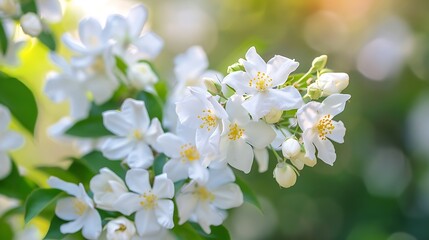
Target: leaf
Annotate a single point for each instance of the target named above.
(15, 185)
(48, 39)
(161, 89)
(153, 104)
(6, 231)
(28, 6)
(90, 127)
(158, 163)
(39, 200)
(96, 161)
(121, 65)
(20, 101)
(4, 42)
(217, 232)
(54, 232)
(248, 194)
(185, 232)
(60, 173)
(81, 171)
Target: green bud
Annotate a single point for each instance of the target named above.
(273, 116)
(213, 87)
(314, 92)
(319, 63)
(238, 66)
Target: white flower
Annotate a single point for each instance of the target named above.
(79, 210)
(141, 76)
(30, 24)
(127, 34)
(120, 229)
(206, 203)
(201, 111)
(260, 82)
(49, 10)
(240, 133)
(9, 140)
(134, 133)
(9, 8)
(291, 150)
(315, 119)
(186, 159)
(11, 56)
(330, 83)
(107, 187)
(152, 205)
(285, 175)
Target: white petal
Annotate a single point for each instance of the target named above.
(338, 133)
(239, 81)
(137, 113)
(176, 170)
(72, 227)
(140, 157)
(307, 115)
(228, 196)
(117, 123)
(153, 132)
(334, 104)
(190, 64)
(128, 203)
(79, 105)
(163, 187)
(72, 44)
(310, 150)
(186, 204)
(136, 19)
(67, 187)
(138, 180)
(49, 10)
(89, 32)
(258, 105)
(117, 148)
(164, 213)
(147, 223)
(254, 63)
(236, 111)
(6, 165)
(150, 44)
(259, 134)
(65, 209)
(240, 155)
(92, 227)
(208, 215)
(325, 151)
(219, 177)
(285, 99)
(10, 140)
(198, 172)
(188, 111)
(170, 144)
(4, 118)
(262, 157)
(279, 68)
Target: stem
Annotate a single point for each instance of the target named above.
(279, 159)
(305, 76)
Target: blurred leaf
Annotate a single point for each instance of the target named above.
(39, 200)
(161, 89)
(60, 173)
(54, 232)
(121, 65)
(28, 6)
(217, 232)
(158, 163)
(20, 101)
(186, 232)
(153, 104)
(90, 127)
(4, 43)
(96, 161)
(248, 194)
(15, 185)
(48, 39)
(81, 171)
(6, 231)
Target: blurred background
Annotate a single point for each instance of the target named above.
(379, 185)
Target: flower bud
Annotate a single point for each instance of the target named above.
(238, 66)
(141, 76)
(213, 87)
(331, 83)
(273, 116)
(107, 187)
(120, 229)
(285, 175)
(313, 91)
(9, 8)
(30, 24)
(319, 63)
(291, 148)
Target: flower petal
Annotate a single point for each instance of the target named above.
(285, 99)
(10, 140)
(236, 111)
(334, 104)
(138, 180)
(219, 177)
(150, 44)
(65, 209)
(259, 134)
(92, 227)
(50, 10)
(137, 114)
(73, 226)
(308, 136)
(4, 118)
(117, 123)
(164, 213)
(239, 81)
(163, 187)
(186, 204)
(279, 68)
(207, 215)
(262, 157)
(170, 144)
(198, 172)
(6, 165)
(176, 170)
(136, 19)
(240, 155)
(338, 133)
(146, 223)
(254, 63)
(140, 157)
(325, 151)
(307, 115)
(153, 132)
(117, 148)
(67, 187)
(89, 32)
(128, 203)
(228, 196)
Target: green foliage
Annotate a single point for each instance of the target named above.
(158, 163)
(6, 231)
(54, 229)
(59, 173)
(48, 39)
(248, 194)
(153, 104)
(15, 186)
(4, 43)
(217, 232)
(28, 6)
(20, 101)
(90, 127)
(39, 200)
(96, 161)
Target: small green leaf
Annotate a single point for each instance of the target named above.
(153, 104)
(39, 200)
(48, 39)
(96, 161)
(6, 231)
(81, 171)
(217, 232)
(185, 232)
(59, 172)
(4, 42)
(248, 194)
(158, 163)
(20, 101)
(28, 6)
(121, 65)
(54, 232)
(161, 89)
(90, 127)
(15, 185)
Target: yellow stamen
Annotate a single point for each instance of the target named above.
(262, 81)
(235, 132)
(150, 201)
(189, 152)
(137, 135)
(325, 126)
(79, 206)
(204, 194)
(209, 120)
(121, 228)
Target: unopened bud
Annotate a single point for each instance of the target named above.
(30, 24)
(213, 87)
(331, 83)
(313, 91)
(291, 148)
(319, 63)
(285, 175)
(238, 66)
(273, 116)
(141, 76)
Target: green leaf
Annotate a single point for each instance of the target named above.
(217, 232)
(81, 171)
(96, 161)
(90, 127)
(60, 173)
(248, 194)
(153, 104)
(4, 42)
(28, 6)
(15, 185)
(54, 232)
(121, 65)
(158, 163)
(48, 39)
(161, 89)
(39, 200)
(20, 101)
(185, 232)
(6, 231)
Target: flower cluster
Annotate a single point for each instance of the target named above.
(179, 156)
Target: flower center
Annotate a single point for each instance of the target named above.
(204, 194)
(149, 201)
(325, 126)
(208, 119)
(189, 152)
(261, 82)
(121, 228)
(137, 135)
(79, 206)
(235, 132)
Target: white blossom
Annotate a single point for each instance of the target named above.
(30, 24)
(285, 175)
(330, 83)
(120, 229)
(107, 187)
(50, 10)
